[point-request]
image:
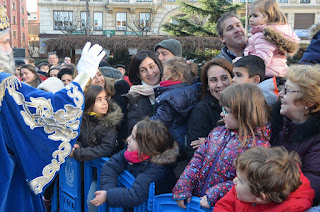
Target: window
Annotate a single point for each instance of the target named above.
(62, 19)
(83, 17)
(22, 22)
(22, 10)
(144, 0)
(120, 0)
(97, 21)
(121, 21)
(14, 34)
(171, 0)
(13, 19)
(13, 6)
(283, 1)
(23, 36)
(304, 1)
(244, 1)
(145, 21)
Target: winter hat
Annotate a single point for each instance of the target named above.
(172, 45)
(120, 65)
(111, 72)
(52, 84)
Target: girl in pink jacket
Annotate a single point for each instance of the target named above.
(272, 38)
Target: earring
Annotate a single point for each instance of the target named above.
(306, 108)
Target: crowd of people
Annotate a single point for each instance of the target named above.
(243, 134)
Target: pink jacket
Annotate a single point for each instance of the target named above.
(272, 43)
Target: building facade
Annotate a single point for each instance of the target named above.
(17, 13)
(141, 17)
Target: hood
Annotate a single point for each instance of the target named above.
(313, 30)
(283, 37)
(113, 117)
(167, 157)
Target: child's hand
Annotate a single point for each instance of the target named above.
(181, 203)
(76, 146)
(204, 202)
(101, 197)
(72, 153)
(196, 143)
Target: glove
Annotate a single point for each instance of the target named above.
(90, 59)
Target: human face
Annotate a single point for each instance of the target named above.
(67, 60)
(230, 122)
(241, 76)
(243, 190)
(18, 71)
(256, 18)
(233, 33)
(66, 79)
(53, 60)
(131, 140)
(164, 55)
(123, 71)
(98, 79)
(149, 72)
(5, 43)
(27, 75)
(292, 110)
(218, 80)
(54, 72)
(45, 69)
(101, 104)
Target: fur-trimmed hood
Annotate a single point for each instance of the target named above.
(113, 117)
(313, 30)
(167, 157)
(283, 37)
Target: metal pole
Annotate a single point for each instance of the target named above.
(87, 18)
(246, 23)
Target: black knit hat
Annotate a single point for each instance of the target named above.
(172, 45)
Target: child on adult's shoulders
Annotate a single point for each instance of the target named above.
(268, 179)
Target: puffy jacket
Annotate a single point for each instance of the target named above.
(98, 136)
(193, 178)
(312, 53)
(304, 139)
(226, 55)
(173, 106)
(158, 169)
(272, 43)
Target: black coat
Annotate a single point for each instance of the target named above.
(158, 169)
(203, 118)
(304, 139)
(98, 136)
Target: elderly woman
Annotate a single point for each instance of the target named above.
(216, 75)
(296, 120)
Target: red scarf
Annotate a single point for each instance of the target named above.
(167, 83)
(133, 157)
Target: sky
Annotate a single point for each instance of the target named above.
(31, 5)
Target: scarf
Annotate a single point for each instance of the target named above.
(144, 90)
(133, 157)
(168, 83)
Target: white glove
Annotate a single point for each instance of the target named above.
(90, 59)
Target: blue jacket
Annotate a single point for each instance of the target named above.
(158, 169)
(173, 106)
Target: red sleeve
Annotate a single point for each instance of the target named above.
(226, 203)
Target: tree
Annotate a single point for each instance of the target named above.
(199, 20)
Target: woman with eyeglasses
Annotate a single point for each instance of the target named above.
(210, 173)
(296, 120)
(216, 75)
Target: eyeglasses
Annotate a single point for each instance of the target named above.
(224, 111)
(285, 90)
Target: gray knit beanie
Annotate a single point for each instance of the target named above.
(111, 72)
(52, 84)
(172, 45)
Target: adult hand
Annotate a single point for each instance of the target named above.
(90, 59)
(101, 197)
(181, 203)
(204, 202)
(196, 143)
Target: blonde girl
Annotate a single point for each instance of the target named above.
(150, 154)
(272, 38)
(210, 172)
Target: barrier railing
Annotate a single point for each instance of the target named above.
(71, 199)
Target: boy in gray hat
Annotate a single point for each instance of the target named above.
(167, 49)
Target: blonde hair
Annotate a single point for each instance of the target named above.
(271, 10)
(181, 69)
(307, 77)
(249, 107)
(272, 172)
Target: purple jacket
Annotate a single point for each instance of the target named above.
(272, 43)
(192, 180)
